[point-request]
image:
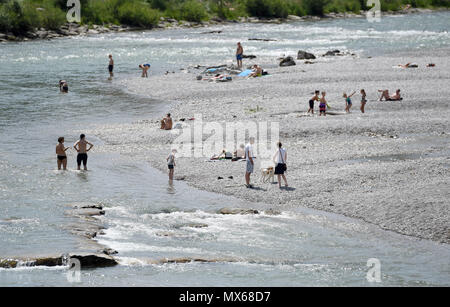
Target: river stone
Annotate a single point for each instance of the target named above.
(287, 61)
(109, 251)
(87, 212)
(272, 212)
(94, 260)
(332, 53)
(227, 211)
(303, 55)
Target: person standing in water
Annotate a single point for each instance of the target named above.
(81, 147)
(61, 157)
(363, 100)
(111, 66)
(145, 68)
(239, 55)
(171, 163)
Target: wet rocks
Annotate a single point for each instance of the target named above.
(212, 32)
(109, 251)
(95, 260)
(227, 211)
(332, 53)
(86, 260)
(191, 225)
(287, 61)
(303, 55)
(262, 39)
(272, 212)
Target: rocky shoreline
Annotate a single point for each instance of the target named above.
(75, 29)
(86, 227)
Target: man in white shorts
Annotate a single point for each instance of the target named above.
(250, 163)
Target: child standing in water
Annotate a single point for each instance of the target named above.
(348, 101)
(171, 163)
(61, 158)
(363, 100)
(111, 66)
(311, 102)
(323, 105)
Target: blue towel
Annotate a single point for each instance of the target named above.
(245, 73)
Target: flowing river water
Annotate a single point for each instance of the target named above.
(146, 217)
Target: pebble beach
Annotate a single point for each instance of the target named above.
(388, 167)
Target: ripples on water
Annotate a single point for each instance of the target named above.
(150, 220)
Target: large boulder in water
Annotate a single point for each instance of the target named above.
(332, 53)
(303, 55)
(287, 61)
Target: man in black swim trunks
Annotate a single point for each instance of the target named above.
(311, 102)
(111, 66)
(81, 148)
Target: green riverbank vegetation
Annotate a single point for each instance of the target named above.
(21, 16)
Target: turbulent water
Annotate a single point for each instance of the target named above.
(149, 219)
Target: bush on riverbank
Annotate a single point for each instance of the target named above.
(22, 16)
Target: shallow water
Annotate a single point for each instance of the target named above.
(147, 218)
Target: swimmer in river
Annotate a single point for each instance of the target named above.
(61, 157)
(81, 147)
(145, 68)
(63, 86)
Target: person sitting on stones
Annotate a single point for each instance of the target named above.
(256, 71)
(387, 97)
(166, 122)
(408, 65)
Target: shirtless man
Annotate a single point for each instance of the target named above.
(312, 100)
(145, 68)
(80, 147)
(111, 66)
(257, 71)
(166, 122)
(387, 97)
(239, 55)
(61, 157)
